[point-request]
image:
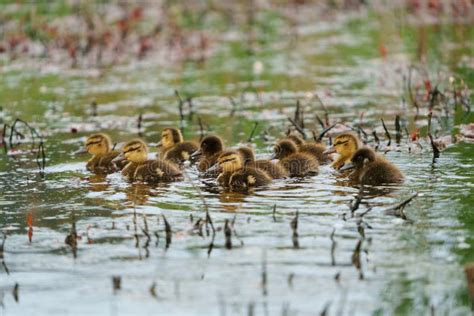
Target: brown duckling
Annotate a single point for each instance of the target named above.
(246, 177)
(372, 168)
(314, 149)
(172, 147)
(140, 168)
(345, 145)
(99, 145)
(274, 169)
(298, 164)
(210, 148)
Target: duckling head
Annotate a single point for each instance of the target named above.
(170, 137)
(97, 144)
(247, 154)
(345, 145)
(135, 151)
(230, 161)
(284, 148)
(211, 145)
(362, 157)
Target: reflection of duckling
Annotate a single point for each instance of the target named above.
(238, 177)
(314, 149)
(98, 183)
(138, 193)
(99, 145)
(345, 145)
(231, 201)
(210, 148)
(173, 148)
(140, 168)
(373, 169)
(298, 164)
(274, 170)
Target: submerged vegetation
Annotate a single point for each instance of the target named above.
(240, 83)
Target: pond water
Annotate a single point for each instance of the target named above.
(349, 265)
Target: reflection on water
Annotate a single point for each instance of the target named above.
(367, 261)
(138, 193)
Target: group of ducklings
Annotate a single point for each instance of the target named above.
(238, 169)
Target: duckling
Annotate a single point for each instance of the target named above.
(210, 148)
(246, 177)
(372, 169)
(314, 149)
(172, 147)
(274, 170)
(140, 168)
(345, 145)
(99, 145)
(298, 164)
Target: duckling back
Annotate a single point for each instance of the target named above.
(248, 178)
(317, 151)
(273, 169)
(206, 162)
(314, 149)
(380, 172)
(373, 169)
(300, 164)
(180, 153)
(153, 171)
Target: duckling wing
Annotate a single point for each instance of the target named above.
(248, 178)
(181, 152)
(92, 164)
(274, 170)
(207, 162)
(224, 178)
(380, 172)
(300, 164)
(162, 171)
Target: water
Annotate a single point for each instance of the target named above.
(406, 267)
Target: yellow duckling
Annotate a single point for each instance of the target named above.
(140, 168)
(298, 164)
(172, 147)
(314, 149)
(99, 146)
(372, 168)
(274, 169)
(237, 176)
(209, 150)
(345, 145)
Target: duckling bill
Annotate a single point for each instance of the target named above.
(140, 168)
